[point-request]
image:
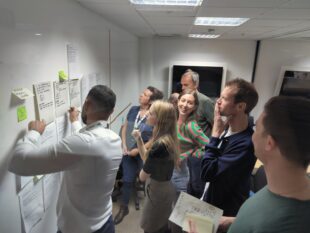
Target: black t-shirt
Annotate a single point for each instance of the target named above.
(159, 164)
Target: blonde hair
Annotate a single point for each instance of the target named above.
(165, 130)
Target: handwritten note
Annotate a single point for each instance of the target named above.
(31, 204)
(61, 93)
(75, 93)
(188, 204)
(45, 101)
(22, 93)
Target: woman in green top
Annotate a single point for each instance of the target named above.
(192, 141)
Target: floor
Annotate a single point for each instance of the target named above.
(130, 224)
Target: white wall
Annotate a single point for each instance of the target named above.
(157, 54)
(273, 55)
(26, 59)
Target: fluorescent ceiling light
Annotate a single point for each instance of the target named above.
(213, 21)
(203, 36)
(167, 2)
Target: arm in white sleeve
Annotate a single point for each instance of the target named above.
(30, 158)
(76, 126)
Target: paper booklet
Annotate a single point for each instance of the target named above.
(205, 216)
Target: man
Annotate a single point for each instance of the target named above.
(281, 142)
(205, 111)
(204, 117)
(89, 159)
(229, 158)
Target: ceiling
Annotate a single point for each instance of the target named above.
(268, 18)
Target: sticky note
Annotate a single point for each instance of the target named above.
(22, 93)
(21, 113)
(62, 75)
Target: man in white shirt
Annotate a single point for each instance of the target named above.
(90, 160)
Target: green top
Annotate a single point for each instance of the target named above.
(192, 139)
(267, 212)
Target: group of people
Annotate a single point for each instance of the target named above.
(207, 150)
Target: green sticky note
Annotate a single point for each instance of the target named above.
(62, 75)
(21, 113)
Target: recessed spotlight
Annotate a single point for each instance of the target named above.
(38, 34)
(214, 21)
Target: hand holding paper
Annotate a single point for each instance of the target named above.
(204, 216)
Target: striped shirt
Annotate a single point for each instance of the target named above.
(192, 139)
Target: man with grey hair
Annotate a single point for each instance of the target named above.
(204, 118)
(90, 160)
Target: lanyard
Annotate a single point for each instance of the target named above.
(139, 120)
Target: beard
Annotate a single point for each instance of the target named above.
(84, 117)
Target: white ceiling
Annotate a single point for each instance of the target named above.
(268, 18)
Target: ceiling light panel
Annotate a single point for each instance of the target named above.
(167, 2)
(214, 21)
(203, 36)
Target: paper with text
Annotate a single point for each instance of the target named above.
(49, 136)
(63, 127)
(51, 185)
(22, 93)
(75, 93)
(31, 204)
(87, 82)
(189, 204)
(45, 101)
(203, 224)
(61, 93)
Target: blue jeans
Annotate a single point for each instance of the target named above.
(131, 167)
(108, 227)
(180, 177)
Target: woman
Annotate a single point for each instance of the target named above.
(159, 162)
(131, 162)
(192, 141)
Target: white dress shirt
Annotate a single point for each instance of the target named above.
(89, 159)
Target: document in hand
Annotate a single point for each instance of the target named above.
(188, 204)
(203, 224)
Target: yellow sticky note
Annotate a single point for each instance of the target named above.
(203, 224)
(62, 75)
(21, 113)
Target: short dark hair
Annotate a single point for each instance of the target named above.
(103, 97)
(246, 93)
(156, 94)
(287, 120)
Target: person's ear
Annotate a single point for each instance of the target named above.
(270, 143)
(241, 106)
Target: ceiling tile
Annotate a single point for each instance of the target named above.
(245, 3)
(230, 12)
(170, 20)
(287, 14)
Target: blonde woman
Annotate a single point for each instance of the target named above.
(159, 162)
